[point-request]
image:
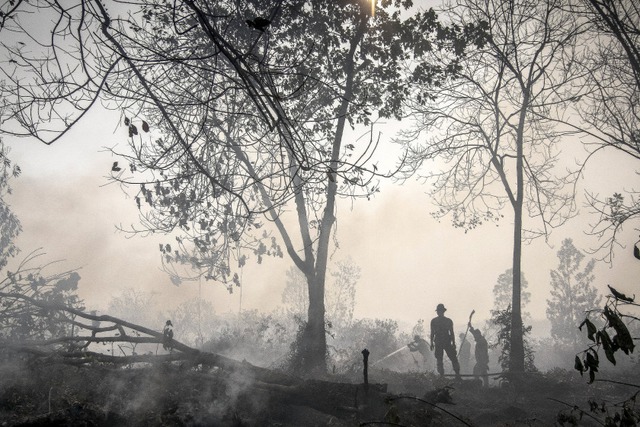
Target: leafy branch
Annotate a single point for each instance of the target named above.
(588, 360)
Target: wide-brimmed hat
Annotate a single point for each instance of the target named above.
(440, 307)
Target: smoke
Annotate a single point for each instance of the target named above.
(409, 261)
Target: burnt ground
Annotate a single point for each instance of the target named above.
(168, 394)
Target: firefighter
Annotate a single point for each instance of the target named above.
(443, 340)
(481, 369)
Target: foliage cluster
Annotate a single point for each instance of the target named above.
(9, 223)
(612, 336)
(572, 294)
(19, 319)
(502, 319)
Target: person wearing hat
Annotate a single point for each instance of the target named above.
(443, 340)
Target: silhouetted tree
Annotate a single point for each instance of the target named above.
(608, 106)
(503, 291)
(620, 21)
(218, 175)
(572, 294)
(498, 121)
(231, 113)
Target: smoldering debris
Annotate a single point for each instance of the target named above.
(67, 378)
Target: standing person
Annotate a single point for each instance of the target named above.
(444, 340)
(482, 355)
(167, 334)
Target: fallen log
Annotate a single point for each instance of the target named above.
(72, 349)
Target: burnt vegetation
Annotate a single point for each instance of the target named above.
(63, 364)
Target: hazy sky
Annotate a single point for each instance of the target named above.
(409, 261)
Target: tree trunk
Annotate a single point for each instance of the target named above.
(516, 358)
(314, 341)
